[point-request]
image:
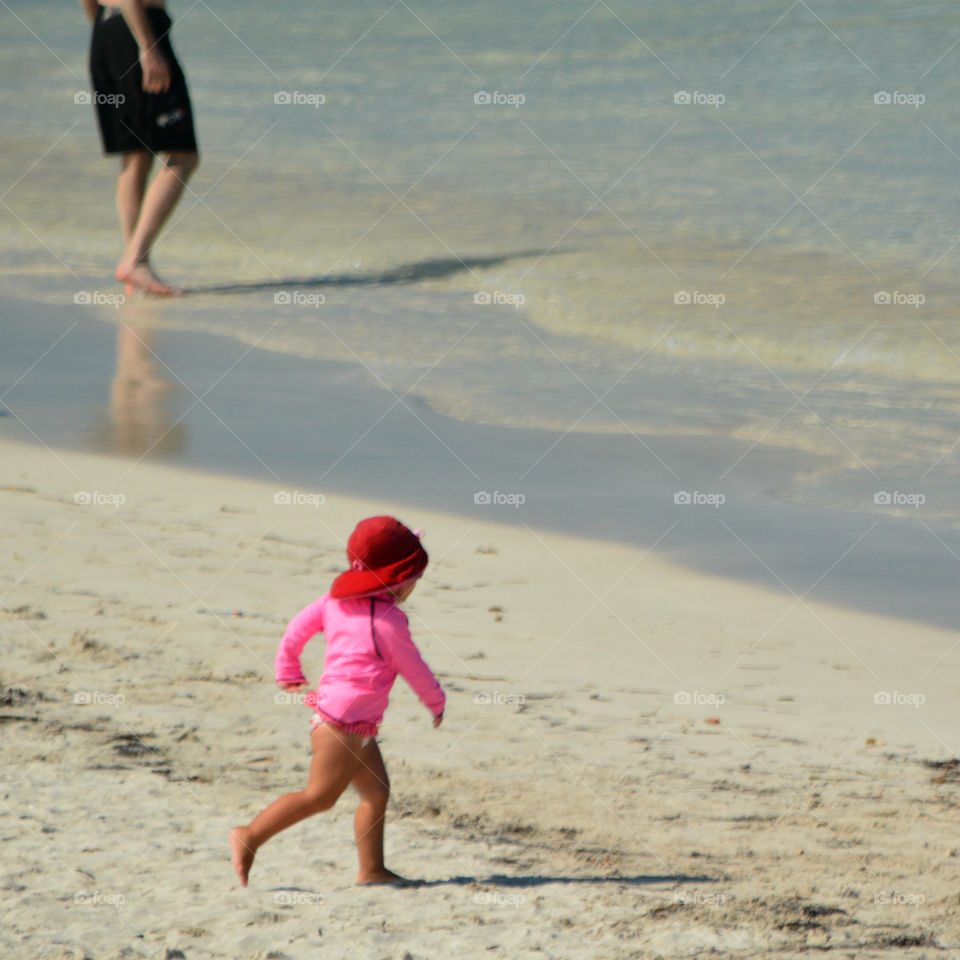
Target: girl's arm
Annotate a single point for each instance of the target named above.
(398, 649)
(302, 627)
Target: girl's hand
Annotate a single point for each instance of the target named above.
(437, 721)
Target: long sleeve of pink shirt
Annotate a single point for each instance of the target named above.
(307, 623)
(397, 648)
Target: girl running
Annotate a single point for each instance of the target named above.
(367, 644)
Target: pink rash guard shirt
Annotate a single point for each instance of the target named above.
(368, 643)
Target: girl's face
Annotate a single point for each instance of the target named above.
(403, 592)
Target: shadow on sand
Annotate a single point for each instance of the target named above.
(407, 273)
(539, 880)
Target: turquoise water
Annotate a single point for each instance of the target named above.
(590, 209)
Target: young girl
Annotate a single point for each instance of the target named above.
(368, 644)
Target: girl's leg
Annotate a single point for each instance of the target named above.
(336, 757)
(373, 785)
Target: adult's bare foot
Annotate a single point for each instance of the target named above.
(242, 853)
(140, 276)
(386, 876)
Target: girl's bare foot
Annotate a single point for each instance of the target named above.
(140, 276)
(385, 876)
(242, 852)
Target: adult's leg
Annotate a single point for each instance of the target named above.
(131, 184)
(161, 198)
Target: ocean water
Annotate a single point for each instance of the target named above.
(737, 223)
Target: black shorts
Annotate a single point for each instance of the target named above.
(131, 119)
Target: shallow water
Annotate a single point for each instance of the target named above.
(361, 231)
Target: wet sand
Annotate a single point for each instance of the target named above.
(789, 520)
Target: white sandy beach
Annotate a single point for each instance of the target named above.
(636, 761)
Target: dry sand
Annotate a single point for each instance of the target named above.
(637, 761)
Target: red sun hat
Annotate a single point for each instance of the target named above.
(383, 554)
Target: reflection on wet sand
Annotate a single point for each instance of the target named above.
(142, 420)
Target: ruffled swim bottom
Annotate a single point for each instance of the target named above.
(367, 730)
